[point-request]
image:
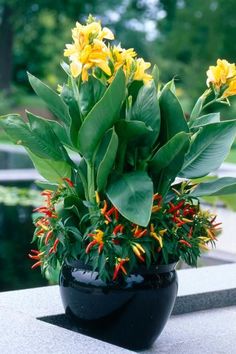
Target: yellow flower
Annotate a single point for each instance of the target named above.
(141, 67)
(134, 68)
(220, 74)
(88, 50)
(231, 90)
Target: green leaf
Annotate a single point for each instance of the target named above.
(134, 88)
(47, 140)
(61, 133)
(199, 105)
(131, 194)
(130, 130)
(206, 119)
(221, 186)
(102, 116)
(90, 93)
(209, 149)
(51, 98)
(68, 97)
(53, 171)
(146, 109)
(46, 185)
(108, 149)
(168, 161)
(155, 75)
(169, 153)
(38, 136)
(172, 116)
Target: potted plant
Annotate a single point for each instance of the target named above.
(117, 222)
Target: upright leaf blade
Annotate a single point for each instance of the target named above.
(91, 92)
(146, 109)
(102, 116)
(209, 149)
(168, 161)
(107, 160)
(172, 116)
(51, 98)
(132, 194)
(168, 153)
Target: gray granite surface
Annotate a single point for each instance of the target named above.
(211, 331)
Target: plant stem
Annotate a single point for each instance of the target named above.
(91, 189)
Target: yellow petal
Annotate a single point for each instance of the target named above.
(107, 33)
(75, 68)
(105, 67)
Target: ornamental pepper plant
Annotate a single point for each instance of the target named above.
(132, 196)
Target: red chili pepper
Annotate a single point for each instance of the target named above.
(100, 248)
(190, 232)
(48, 236)
(68, 181)
(118, 228)
(116, 214)
(140, 233)
(35, 251)
(55, 245)
(116, 271)
(46, 193)
(37, 264)
(186, 243)
(111, 211)
(90, 245)
(175, 207)
(33, 257)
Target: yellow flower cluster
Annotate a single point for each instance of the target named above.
(223, 75)
(89, 51)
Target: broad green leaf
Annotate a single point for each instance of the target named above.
(52, 171)
(129, 130)
(48, 142)
(172, 116)
(108, 158)
(146, 109)
(209, 149)
(90, 93)
(131, 194)
(221, 186)
(206, 119)
(38, 137)
(169, 152)
(102, 116)
(51, 98)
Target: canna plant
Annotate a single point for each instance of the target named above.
(132, 199)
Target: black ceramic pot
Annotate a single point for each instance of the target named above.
(131, 315)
